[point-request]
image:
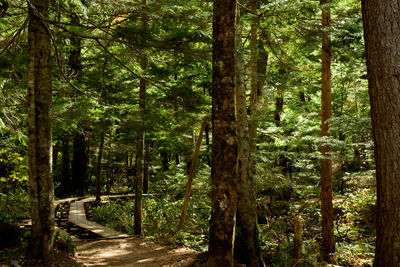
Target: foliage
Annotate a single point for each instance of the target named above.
(160, 218)
(64, 242)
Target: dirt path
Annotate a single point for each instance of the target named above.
(119, 252)
(132, 251)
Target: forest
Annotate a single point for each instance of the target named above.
(199, 133)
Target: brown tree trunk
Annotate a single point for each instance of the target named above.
(146, 168)
(207, 135)
(258, 67)
(98, 167)
(75, 60)
(328, 238)
(164, 160)
(39, 85)
(247, 249)
(192, 173)
(140, 146)
(298, 239)
(224, 145)
(381, 19)
(80, 156)
(79, 163)
(278, 108)
(65, 171)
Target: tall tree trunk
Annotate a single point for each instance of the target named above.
(258, 68)
(56, 148)
(98, 167)
(39, 85)
(65, 171)
(79, 166)
(278, 108)
(102, 134)
(328, 238)
(247, 249)
(207, 135)
(140, 145)
(164, 160)
(192, 173)
(146, 167)
(224, 147)
(75, 60)
(79, 163)
(381, 19)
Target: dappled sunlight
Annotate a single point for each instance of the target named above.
(132, 251)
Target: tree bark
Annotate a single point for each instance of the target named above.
(381, 30)
(247, 249)
(146, 168)
(80, 156)
(65, 171)
(224, 146)
(278, 107)
(192, 173)
(207, 135)
(298, 239)
(39, 83)
(79, 163)
(98, 167)
(140, 145)
(328, 238)
(258, 67)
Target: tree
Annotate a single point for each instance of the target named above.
(39, 83)
(247, 248)
(381, 33)
(224, 145)
(328, 238)
(140, 143)
(80, 160)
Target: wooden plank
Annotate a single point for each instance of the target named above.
(77, 216)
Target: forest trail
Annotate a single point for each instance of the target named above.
(132, 251)
(118, 249)
(77, 216)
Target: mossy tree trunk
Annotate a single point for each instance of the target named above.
(224, 145)
(39, 83)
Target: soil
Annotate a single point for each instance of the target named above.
(133, 251)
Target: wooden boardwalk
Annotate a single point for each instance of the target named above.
(77, 216)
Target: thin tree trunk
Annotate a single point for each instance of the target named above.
(278, 108)
(247, 249)
(328, 238)
(192, 173)
(140, 146)
(39, 85)
(224, 147)
(298, 239)
(102, 134)
(207, 134)
(79, 163)
(65, 171)
(258, 68)
(79, 159)
(146, 168)
(98, 167)
(381, 30)
(164, 160)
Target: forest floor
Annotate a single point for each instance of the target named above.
(133, 251)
